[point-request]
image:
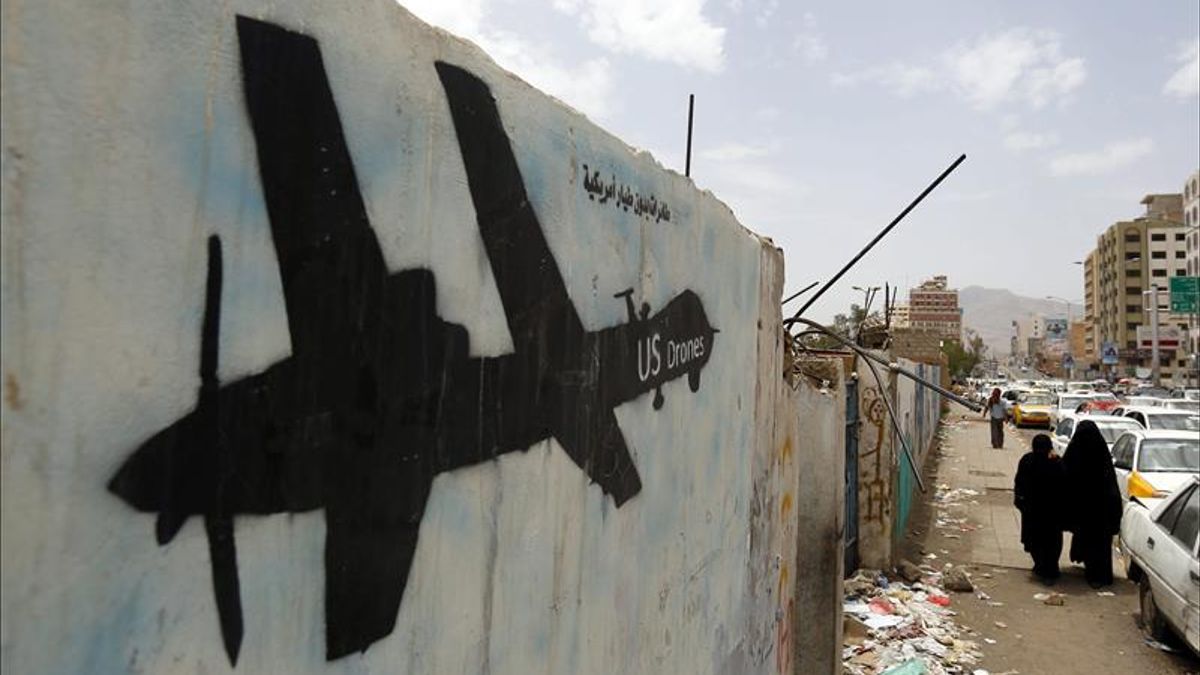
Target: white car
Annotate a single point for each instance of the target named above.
(1161, 418)
(1067, 404)
(1144, 401)
(1161, 551)
(1183, 404)
(1110, 427)
(1152, 464)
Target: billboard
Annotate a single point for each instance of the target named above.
(1056, 330)
(1169, 337)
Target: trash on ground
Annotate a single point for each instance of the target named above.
(1105, 594)
(1000, 624)
(956, 579)
(1160, 646)
(909, 629)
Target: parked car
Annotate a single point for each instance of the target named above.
(1110, 426)
(1161, 418)
(1033, 409)
(1066, 404)
(1183, 404)
(1151, 391)
(1152, 464)
(1010, 396)
(1145, 401)
(1161, 551)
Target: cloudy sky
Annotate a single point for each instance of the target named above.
(817, 122)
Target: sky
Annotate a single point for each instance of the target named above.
(818, 122)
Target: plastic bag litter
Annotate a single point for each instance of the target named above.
(913, 667)
(908, 628)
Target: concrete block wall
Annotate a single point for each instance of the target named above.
(329, 346)
(886, 486)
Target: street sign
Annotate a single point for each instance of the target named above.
(1185, 295)
(1109, 354)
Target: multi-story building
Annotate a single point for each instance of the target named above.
(900, 316)
(1089, 357)
(1129, 257)
(933, 308)
(1191, 219)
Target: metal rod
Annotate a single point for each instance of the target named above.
(887, 403)
(894, 367)
(879, 236)
(687, 167)
(798, 293)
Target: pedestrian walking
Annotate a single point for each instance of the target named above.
(1095, 502)
(995, 412)
(1037, 494)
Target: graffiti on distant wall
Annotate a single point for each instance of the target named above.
(877, 489)
(379, 394)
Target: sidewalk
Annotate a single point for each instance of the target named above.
(970, 522)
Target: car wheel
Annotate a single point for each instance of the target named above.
(1152, 620)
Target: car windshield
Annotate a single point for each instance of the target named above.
(1072, 402)
(1110, 430)
(1037, 399)
(1169, 454)
(1180, 404)
(1180, 422)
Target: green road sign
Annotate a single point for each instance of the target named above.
(1185, 295)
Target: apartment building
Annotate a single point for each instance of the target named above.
(1191, 220)
(933, 308)
(1129, 257)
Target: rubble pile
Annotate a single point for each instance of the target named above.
(897, 627)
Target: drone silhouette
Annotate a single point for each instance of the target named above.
(379, 394)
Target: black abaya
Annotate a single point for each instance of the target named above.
(1095, 502)
(1037, 492)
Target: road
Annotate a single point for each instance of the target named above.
(1089, 633)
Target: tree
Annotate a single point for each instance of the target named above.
(961, 360)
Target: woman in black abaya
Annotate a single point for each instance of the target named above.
(1037, 492)
(1094, 502)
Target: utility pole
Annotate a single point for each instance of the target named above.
(1154, 374)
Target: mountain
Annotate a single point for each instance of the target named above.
(991, 311)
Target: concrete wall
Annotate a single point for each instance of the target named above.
(820, 430)
(337, 286)
(886, 485)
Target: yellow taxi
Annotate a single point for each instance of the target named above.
(1033, 409)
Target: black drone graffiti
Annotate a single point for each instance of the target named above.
(380, 394)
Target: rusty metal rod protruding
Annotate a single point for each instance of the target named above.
(884, 232)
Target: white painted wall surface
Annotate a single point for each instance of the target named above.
(126, 144)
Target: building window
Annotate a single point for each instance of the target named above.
(1180, 254)
(1131, 326)
(1132, 255)
(1132, 235)
(1159, 255)
(1133, 290)
(1133, 273)
(1158, 273)
(1180, 273)
(1132, 309)
(1158, 236)
(1179, 236)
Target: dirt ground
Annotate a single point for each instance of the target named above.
(1089, 633)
